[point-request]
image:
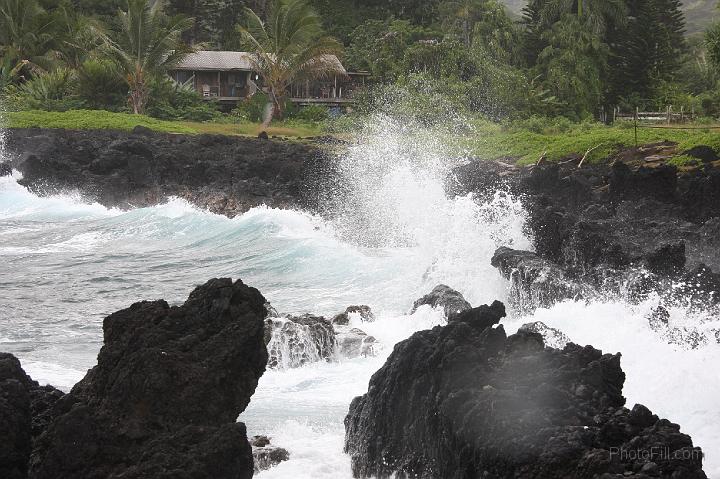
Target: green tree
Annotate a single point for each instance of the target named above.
(595, 15)
(291, 45)
(712, 42)
(533, 26)
(147, 45)
(648, 51)
(572, 66)
(25, 34)
(462, 15)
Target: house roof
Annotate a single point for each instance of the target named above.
(215, 61)
(227, 61)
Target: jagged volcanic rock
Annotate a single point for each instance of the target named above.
(452, 302)
(298, 340)
(25, 410)
(552, 337)
(355, 342)
(363, 311)
(265, 454)
(535, 282)
(165, 394)
(223, 174)
(466, 401)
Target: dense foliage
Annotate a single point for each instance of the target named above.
(573, 58)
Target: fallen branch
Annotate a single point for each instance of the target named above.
(542, 158)
(588, 153)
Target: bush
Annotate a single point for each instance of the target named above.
(53, 91)
(316, 113)
(171, 101)
(101, 86)
(251, 109)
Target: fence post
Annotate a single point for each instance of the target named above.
(682, 114)
(636, 120)
(669, 109)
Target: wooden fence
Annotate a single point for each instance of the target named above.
(669, 116)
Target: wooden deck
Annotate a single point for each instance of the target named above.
(299, 101)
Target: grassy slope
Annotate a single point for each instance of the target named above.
(493, 141)
(486, 140)
(103, 120)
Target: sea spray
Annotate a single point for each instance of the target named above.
(66, 265)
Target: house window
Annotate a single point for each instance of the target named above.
(183, 76)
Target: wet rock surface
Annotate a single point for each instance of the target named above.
(355, 343)
(265, 454)
(25, 410)
(535, 282)
(552, 337)
(465, 400)
(299, 340)
(363, 312)
(452, 302)
(165, 394)
(226, 175)
(625, 225)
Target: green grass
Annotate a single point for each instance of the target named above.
(104, 120)
(90, 120)
(494, 141)
(526, 141)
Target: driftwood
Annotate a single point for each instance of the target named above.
(587, 153)
(542, 158)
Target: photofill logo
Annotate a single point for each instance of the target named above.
(659, 453)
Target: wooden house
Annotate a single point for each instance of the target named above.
(229, 77)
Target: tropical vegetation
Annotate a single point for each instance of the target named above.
(577, 59)
(289, 46)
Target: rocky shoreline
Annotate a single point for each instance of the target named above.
(225, 175)
(630, 227)
(461, 400)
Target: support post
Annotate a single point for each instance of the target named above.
(636, 121)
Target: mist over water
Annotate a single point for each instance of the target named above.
(65, 265)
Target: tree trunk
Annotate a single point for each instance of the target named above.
(276, 111)
(466, 26)
(580, 8)
(138, 92)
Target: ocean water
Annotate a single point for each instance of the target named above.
(65, 264)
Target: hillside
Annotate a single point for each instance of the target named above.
(698, 13)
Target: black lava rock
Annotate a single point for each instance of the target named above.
(452, 302)
(5, 169)
(118, 169)
(165, 394)
(25, 410)
(466, 401)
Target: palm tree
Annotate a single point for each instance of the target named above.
(147, 46)
(25, 34)
(289, 46)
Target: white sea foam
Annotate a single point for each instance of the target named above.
(395, 238)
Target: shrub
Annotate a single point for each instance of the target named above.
(252, 109)
(101, 86)
(315, 113)
(170, 100)
(53, 91)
